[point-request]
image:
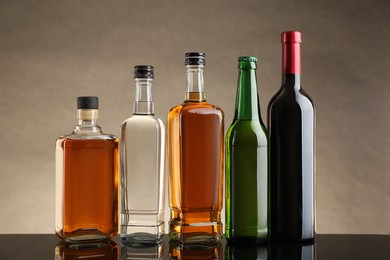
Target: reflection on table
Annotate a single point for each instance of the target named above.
(194, 252)
(107, 250)
(271, 252)
(142, 251)
(304, 251)
(246, 252)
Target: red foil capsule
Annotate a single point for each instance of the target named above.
(291, 57)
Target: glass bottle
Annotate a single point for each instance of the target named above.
(195, 132)
(142, 161)
(247, 163)
(86, 179)
(291, 124)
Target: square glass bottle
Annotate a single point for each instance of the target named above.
(142, 160)
(86, 179)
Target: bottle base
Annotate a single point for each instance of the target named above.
(194, 228)
(85, 235)
(143, 228)
(142, 234)
(292, 240)
(247, 240)
(142, 238)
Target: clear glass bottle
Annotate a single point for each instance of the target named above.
(196, 143)
(86, 179)
(247, 163)
(142, 160)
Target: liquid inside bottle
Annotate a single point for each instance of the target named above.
(143, 166)
(87, 179)
(196, 162)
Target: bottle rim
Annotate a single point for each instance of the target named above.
(291, 37)
(247, 58)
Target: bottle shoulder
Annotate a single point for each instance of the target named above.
(248, 132)
(142, 124)
(87, 136)
(290, 99)
(143, 119)
(198, 108)
(87, 141)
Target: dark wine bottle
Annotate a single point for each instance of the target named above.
(247, 163)
(291, 124)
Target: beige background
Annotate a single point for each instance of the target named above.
(53, 51)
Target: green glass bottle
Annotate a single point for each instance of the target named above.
(247, 163)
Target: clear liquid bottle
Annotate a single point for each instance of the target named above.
(86, 179)
(142, 163)
(195, 132)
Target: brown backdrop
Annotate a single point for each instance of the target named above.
(53, 51)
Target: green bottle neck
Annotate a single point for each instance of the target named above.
(247, 102)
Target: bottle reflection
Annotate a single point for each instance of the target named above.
(303, 251)
(247, 252)
(194, 252)
(107, 250)
(142, 251)
(275, 251)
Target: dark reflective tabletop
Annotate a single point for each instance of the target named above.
(326, 247)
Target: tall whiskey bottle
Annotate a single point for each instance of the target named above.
(196, 140)
(142, 161)
(86, 179)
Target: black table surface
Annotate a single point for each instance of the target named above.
(326, 247)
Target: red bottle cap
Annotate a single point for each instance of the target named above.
(291, 37)
(291, 43)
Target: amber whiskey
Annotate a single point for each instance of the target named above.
(195, 133)
(87, 179)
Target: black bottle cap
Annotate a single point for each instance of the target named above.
(144, 71)
(195, 58)
(87, 102)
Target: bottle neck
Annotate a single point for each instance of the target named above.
(143, 104)
(87, 121)
(291, 65)
(195, 84)
(291, 58)
(291, 81)
(247, 101)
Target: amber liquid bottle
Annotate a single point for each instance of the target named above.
(196, 139)
(86, 179)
